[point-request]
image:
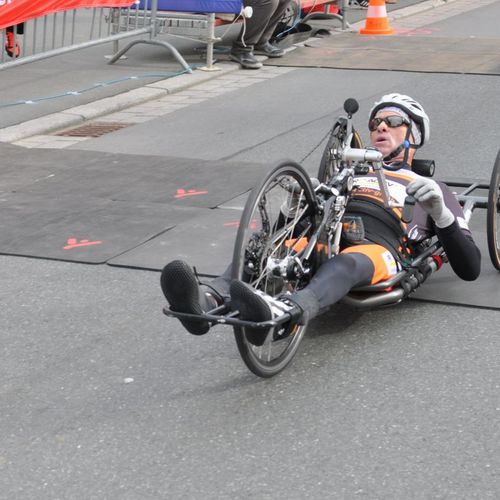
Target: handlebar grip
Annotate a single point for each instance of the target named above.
(353, 154)
(408, 209)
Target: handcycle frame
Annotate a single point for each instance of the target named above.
(343, 158)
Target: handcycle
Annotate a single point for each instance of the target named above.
(291, 224)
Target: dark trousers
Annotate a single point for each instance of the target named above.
(19, 29)
(260, 27)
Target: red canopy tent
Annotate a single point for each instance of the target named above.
(17, 11)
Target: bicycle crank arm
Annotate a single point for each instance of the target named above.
(230, 319)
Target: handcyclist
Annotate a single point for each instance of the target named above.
(398, 126)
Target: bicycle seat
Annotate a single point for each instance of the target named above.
(399, 286)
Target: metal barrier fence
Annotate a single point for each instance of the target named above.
(78, 29)
(191, 26)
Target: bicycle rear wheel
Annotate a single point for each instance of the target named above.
(493, 215)
(279, 216)
(330, 161)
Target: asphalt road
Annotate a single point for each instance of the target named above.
(102, 397)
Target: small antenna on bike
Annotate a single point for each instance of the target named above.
(351, 106)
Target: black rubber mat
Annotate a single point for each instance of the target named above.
(142, 212)
(446, 288)
(398, 53)
(90, 207)
(205, 241)
(89, 230)
(126, 177)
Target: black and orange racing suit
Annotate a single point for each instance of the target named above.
(386, 245)
(388, 240)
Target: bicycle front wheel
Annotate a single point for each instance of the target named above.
(277, 222)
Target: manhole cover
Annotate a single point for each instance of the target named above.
(94, 129)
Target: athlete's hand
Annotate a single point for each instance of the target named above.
(428, 193)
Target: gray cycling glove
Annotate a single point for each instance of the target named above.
(430, 197)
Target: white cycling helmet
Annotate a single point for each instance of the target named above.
(411, 107)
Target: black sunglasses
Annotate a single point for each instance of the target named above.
(392, 121)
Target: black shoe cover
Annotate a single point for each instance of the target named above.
(182, 291)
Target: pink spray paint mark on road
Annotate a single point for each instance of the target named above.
(74, 243)
(182, 193)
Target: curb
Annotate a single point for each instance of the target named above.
(79, 114)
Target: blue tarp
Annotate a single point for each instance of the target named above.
(204, 6)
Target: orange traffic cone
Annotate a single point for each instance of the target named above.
(376, 19)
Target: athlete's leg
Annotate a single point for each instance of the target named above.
(357, 266)
(336, 277)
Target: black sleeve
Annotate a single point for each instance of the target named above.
(462, 252)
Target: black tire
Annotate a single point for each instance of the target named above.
(493, 214)
(288, 20)
(330, 161)
(263, 232)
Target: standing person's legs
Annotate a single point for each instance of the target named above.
(257, 24)
(254, 30)
(273, 22)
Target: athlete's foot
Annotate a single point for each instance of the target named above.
(254, 305)
(183, 293)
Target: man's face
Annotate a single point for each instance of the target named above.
(386, 139)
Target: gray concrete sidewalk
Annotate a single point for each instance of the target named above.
(51, 84)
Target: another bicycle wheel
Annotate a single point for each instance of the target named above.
(278, 219)
(330, 161)
(289, 19)
(493, 214)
